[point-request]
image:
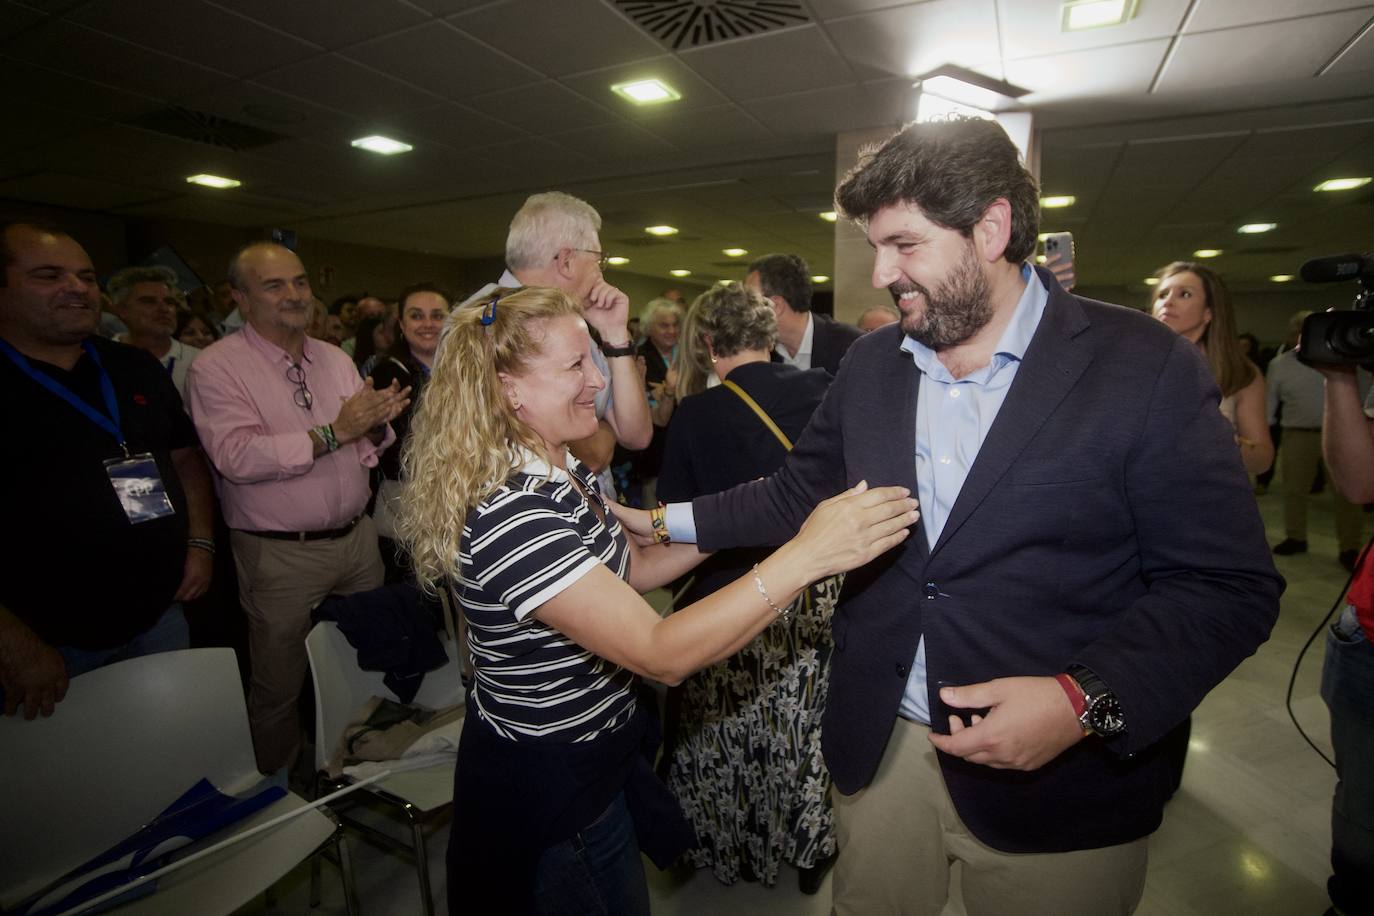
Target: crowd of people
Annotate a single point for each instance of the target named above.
(939, 595)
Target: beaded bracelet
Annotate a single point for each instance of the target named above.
(658, 518)
(782, 612)
(326, 434)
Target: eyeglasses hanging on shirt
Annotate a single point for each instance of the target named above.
(302, 396)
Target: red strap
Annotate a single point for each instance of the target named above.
(1074, 692)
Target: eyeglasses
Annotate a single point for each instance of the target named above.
(602, 259)
(302, 396)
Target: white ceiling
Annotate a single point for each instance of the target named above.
(1171, 130)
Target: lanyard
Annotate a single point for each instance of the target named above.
(108, 421)
(171, 362)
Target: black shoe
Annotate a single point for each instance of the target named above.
(1289, 546)
(1347, 559)
(809, 879)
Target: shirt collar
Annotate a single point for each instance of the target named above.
(1013, 343)
(271, 350)
(808, 336)
(535, 466)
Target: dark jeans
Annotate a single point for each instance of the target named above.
(597, 872)
(1348, 688)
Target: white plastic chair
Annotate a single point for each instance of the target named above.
(126, 742)
(341, 689)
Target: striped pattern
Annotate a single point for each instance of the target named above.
(522, 546)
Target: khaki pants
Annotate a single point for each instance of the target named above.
(900, 835)
(280, 582)
(1301, 452)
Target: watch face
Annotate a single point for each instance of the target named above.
(1105, 716)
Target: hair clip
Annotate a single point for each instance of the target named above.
(489, 311)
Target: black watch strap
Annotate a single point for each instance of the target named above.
(610, 351)
(1102, 712)
(1093, 686)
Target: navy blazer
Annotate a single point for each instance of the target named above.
(1107, 521)
(830, 341)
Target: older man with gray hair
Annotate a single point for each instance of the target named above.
(145, 300)
(554, 242)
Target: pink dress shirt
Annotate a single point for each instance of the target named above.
(258, 439)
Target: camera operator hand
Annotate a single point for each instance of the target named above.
(1347, 434)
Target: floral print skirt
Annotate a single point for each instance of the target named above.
(747, 766)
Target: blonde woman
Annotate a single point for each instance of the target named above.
(553, 795)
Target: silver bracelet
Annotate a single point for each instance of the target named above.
(782, 612)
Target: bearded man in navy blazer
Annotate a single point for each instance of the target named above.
(1089, 561)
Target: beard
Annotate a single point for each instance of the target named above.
(960, 306)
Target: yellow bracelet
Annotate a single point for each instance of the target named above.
(658, 519)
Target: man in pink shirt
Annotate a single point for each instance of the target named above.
(291, 431)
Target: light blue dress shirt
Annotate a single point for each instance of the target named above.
(953, 417)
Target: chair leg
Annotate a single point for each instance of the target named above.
(315, 880)
(417, 831)
(346, 873)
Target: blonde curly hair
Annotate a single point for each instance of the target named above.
(465, 439)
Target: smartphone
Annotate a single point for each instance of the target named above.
(1059, 243)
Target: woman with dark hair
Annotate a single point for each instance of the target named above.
(746, 763)
(553, 793)
(424, 309)
(1193, 301)
(374, 338)
(195, 329)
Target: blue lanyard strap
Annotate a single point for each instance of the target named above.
(108, 421)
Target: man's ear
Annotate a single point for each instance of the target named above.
(240, 300)
(562, 262)
(992, 232)
(779, 305)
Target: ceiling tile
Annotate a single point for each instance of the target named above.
(15, 19)
(328, 23)
(206, 209)
(557, 39)
(1149, 163)
(826, 111)
(74, 191)
(451, 124)
(834, 9)
(347, 86)
(87, 54)
(912, 40)
(264, 107)
(439, 58)
(540, 160)
(1274, 51)
(704, 128)
(194, 30)
(1095, 72)
(62, 93)
(614, 142)
(1225, 14)
(447, 7)
(1358, 58)
(748, 68)
(543, 107)
(1032, 28)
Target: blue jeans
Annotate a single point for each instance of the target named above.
(1348, 688)
(168, 634)
(597, 872)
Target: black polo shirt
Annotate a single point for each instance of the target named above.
(75, 569)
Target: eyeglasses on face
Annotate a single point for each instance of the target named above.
(602, 259)
(302, 396)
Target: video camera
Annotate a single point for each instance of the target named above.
(1340, 337)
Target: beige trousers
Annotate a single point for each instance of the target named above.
(280, 582)
(1300, 451)
(900, 836)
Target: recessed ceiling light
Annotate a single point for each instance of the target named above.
(1256, 228)
(1207, 253)
(660, 230)
(1281, 278)
(617, 261)
(1076, 15)
(1341, 184)
(830, 216)
(646, 92)
(724, 282)
(1057, 201)
(1152, 281)
(820, 278)
(680, 272)
(213, 181)
(734, 252)
(383, 146)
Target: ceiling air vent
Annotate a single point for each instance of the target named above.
(199, 127)
(694, 23)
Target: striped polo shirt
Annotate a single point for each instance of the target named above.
(524, 544)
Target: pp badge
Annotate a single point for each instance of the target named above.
(138, 485)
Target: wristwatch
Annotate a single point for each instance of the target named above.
(1102, 713)
(610, 351)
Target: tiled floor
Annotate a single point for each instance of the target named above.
(1247, 834)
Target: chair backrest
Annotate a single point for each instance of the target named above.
(341, 687)
(127, 741)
